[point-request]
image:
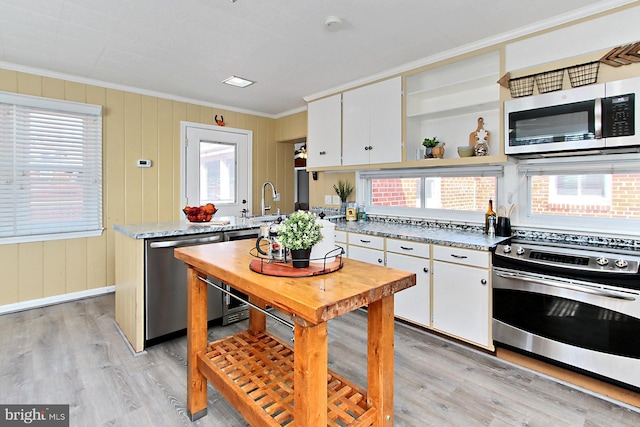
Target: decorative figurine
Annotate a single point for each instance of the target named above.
(479, 139)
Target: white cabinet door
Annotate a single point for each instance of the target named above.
(355, 126)
(385, 125)
(413, 304)
(373, 256)
(372, 123)
(324, 132)
(461, 302)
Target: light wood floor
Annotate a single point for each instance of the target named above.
(72, 353)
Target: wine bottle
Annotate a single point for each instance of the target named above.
(489, 214)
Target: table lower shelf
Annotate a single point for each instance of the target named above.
(255, 374)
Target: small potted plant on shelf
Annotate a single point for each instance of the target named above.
(343, 190)
(433, 148)
(299, 233)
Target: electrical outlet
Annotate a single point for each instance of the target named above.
(327, 199)
(277, 198)
(336, 200)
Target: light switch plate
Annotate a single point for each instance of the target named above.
(336, 200)
(327, 199)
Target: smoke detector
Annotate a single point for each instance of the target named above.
(333, 23)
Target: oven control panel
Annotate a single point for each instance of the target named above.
(580, 259)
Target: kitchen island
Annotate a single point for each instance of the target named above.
(258, 374)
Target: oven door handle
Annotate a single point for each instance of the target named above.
(570, 286)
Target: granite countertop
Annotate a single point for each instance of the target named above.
(152, 230)
(470, 238)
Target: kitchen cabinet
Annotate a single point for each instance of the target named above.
(462, 294)
(413, 304)
(366, 248)
(341, 240)
(372, 123)
(324, 135)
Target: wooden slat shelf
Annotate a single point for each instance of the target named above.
(255, 372)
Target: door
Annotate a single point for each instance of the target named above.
(414, 303)
(324, 132)
(461, 302)
(217, 167)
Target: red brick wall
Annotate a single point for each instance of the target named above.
(456, 193)
(625, 201)
(395, 192)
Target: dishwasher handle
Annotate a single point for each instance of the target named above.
(186, 242)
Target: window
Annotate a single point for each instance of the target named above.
(217, 172)
(582, 194)
(452, 193)
(50, 169)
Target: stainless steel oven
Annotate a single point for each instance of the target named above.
(573, 306)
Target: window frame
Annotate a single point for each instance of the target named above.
(609, 164)
(474, 217)
(92, 223)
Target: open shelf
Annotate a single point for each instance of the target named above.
(255, 373)
(459, 161)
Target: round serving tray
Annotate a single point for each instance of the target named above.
(316, 267)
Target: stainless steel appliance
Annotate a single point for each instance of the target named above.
(234, 310)
(588, 120)
(573, 306)
(166, 286)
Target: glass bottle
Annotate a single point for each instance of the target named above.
(489, 214)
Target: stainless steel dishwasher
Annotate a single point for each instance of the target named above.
(166, 287)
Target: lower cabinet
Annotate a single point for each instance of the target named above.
(413, 304)
(462, 295)
(341, 240)
(452, 294)
(366, 248)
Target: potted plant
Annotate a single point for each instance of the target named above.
(343, 190)
(433, 148)
(299, 233)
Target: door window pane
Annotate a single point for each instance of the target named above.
(217, 172)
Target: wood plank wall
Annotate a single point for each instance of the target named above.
(135, 126)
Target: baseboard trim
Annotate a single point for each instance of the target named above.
(42, 302)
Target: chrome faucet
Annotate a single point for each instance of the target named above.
(276, 197)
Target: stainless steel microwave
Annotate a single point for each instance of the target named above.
(589, 119)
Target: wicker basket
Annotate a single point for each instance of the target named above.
(583, 74)
(550, 81)
(522, 86)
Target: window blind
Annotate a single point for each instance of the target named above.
(50, 168)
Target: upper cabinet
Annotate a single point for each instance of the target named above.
(324, 133)
(447, 101)
(372, 123)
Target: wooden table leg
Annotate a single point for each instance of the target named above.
(380, 359)
(196, 342)
(310, 374)
(257, 319)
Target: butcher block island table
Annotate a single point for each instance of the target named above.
(258, 373)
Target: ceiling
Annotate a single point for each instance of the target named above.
(182, 49)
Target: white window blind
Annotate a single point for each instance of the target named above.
(50, 169)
